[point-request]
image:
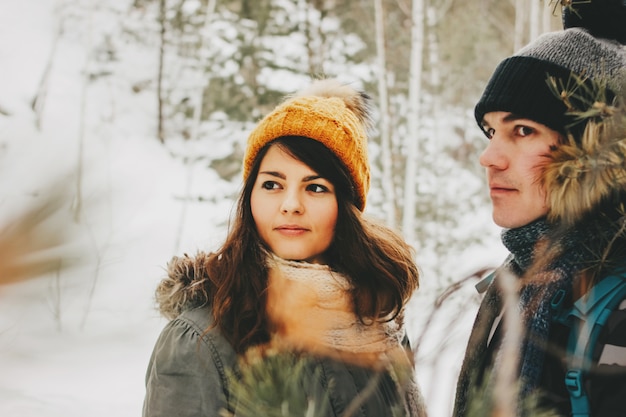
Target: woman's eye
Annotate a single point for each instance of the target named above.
(270, 185)
(489, 132)
(317, 188)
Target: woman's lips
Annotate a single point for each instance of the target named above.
(290, 230)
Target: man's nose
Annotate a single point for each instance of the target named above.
(494, 155)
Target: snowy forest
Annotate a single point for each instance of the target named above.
(122, 128)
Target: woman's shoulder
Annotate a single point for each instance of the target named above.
(200, 325)
(197, 320)
(184, 297)
(188, 372)
(192, 335)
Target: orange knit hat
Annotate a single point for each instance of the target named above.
(329, 112)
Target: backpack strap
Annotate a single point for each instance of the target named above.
(586, 319)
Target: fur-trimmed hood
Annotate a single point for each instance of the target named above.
(590, 167)
(185, 285)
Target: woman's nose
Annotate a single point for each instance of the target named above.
(292, 203)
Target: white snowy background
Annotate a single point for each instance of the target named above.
(77, 343)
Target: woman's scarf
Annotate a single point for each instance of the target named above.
(311, 307)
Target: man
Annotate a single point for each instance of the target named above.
(555, 119)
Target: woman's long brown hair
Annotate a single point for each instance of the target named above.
(377, 260)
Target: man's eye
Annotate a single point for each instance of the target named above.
(270, 185)
(524, 130)
(317, 188)
(489, 132)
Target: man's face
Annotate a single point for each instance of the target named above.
(514, 157)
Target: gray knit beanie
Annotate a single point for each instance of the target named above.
(520, 83)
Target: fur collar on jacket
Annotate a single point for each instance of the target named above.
(184, 287)
(589, 169)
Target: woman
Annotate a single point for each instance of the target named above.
(301, 271)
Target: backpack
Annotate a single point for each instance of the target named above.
(586, 318)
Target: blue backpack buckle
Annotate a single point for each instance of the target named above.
(574, 382)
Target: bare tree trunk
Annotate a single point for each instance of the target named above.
(185, 202)
(160, 133)
(39, 100)
(435, 110)
(414, 116)
(77, 205)
(435, 66)
(203, 84)
(306, 22)
(96, 274)
(203, 79)
(546, 15)
(520, 24)
(535, 20)
(389, 204)
(55, 297)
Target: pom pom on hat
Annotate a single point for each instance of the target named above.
(603, 18)
(335, 114)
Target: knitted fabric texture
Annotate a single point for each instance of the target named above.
(331, 113)
(520, 83)
(536, 296)
(312, 308)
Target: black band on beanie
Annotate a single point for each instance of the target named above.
(519, 86)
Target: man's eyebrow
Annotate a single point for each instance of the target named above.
(510, 117)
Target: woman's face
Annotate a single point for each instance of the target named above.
(294, 209)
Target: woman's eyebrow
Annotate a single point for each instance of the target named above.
(283, 176)
(311, 178)
(274, 174)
